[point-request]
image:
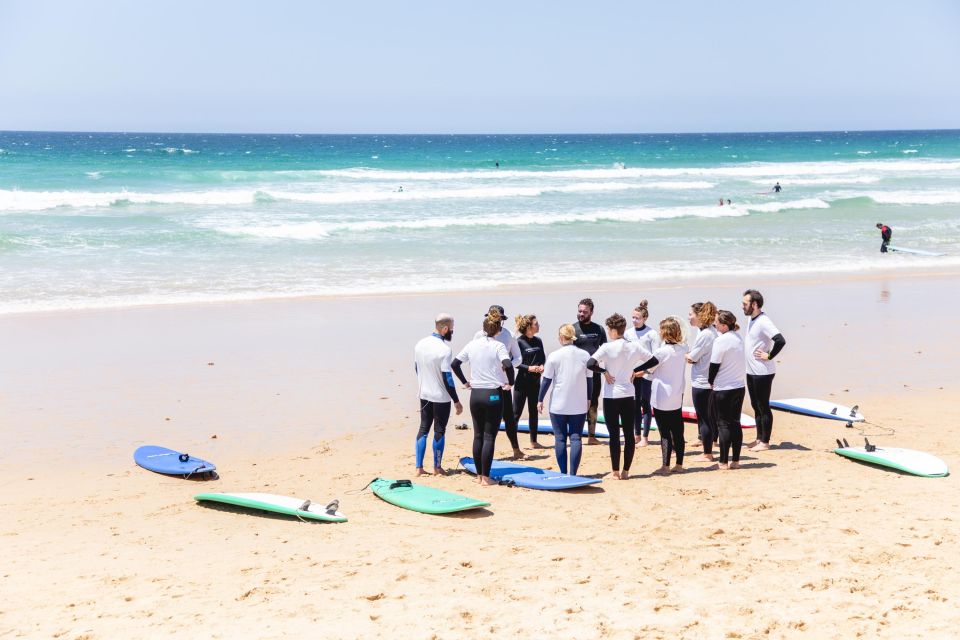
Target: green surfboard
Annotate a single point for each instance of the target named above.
(423, 499)
(277, 504)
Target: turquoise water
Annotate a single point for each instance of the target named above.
(99, 220)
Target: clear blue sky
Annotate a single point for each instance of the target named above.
(495, 66)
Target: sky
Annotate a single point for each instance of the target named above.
(443, 66)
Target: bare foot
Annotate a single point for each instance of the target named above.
(723, 466)
(592, 440)
(644, 442)
(751, 445)
(662, 471)
(615, 473)
(487, 482)
(537, 445)
(698, 443)
(440, 471)
(707, 457)
(421, 472)
(624, 474)
(517, 455)
(760, 446)
(636, 439)
(734, 465)
(677, 468)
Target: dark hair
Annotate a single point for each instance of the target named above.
(755, 296)
(727, 318)
(879, 224)
(696, 306)
(617, 322)
(588, 302)
(498, 309)
(641, 308)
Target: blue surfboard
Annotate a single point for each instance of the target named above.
(544, 426)
(170, 462)
(530, 477)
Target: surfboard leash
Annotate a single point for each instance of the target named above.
(355, 492)
(860, 427)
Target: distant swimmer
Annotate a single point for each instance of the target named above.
(728, 202)
(776, 188)
(721, 202)
(498, 165)
(400, 190)
(886, 233)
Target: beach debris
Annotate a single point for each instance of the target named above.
(213, 437)
(209, 364)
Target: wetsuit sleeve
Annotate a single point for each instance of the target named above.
(652, 362)
(779, 342)
(714, 370)
(508, 368)
(457, 367)
(451, 388)
(590, 387)
(544, 386)
(524, 345)
(593, 365)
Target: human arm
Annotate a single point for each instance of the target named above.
(457, 367)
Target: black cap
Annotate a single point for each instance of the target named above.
(503, 314)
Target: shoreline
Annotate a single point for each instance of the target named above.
(573, 285)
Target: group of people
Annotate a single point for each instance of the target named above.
(640, 373)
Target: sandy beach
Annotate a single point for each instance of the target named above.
(314, 398)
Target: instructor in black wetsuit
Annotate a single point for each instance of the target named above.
(590, 336)
(529, 371)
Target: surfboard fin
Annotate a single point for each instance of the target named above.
(833, 411)
(839, 444)
(305, 506)
(867, 446)
(845, 443)
(333, 507)
(853, 411)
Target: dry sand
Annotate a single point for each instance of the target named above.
(798, 543)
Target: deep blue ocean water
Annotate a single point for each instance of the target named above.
(112, 219)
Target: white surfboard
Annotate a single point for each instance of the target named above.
(916, 252)
(819, 409)
(919, 463)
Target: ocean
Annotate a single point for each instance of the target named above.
(93, 220)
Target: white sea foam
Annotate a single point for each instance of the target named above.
(771, 207)
(909, 151)
(833, 180)
(15, 200)
(912, 197)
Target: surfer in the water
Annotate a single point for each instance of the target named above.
(776, 188)
(491, 373)
(764, 342)
(886, 233)
(432, 357)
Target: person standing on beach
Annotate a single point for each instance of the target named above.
(619, 358)
(886, 234)
(566, 371)
(436, 390)
(491, 373)
(590, 336)
(727, 369)
(649, 340)
(702, 316)
(509, 420)
(530, 368)
(669, 378)
(764, 341)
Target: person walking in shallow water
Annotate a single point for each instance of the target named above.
(886, 234)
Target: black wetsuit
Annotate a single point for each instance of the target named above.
(528, 384)
(886, 234)
(727, 407)
(486, 409)
(590, 336)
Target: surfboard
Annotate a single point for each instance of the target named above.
(306, 509)
(819, 409)
(601, 419)
(918, 463)
(170, 462)
(545, 426)
(916, 252)
(530, 477)
(423, 499)
(747, 422)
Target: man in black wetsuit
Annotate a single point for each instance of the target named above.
(590, 336)
(886, 233)
(776, 188)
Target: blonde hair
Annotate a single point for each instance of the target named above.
(670, 330)
(641, 308)
(492, 323)
(524, 322)
(705, 314)
(568, 333)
